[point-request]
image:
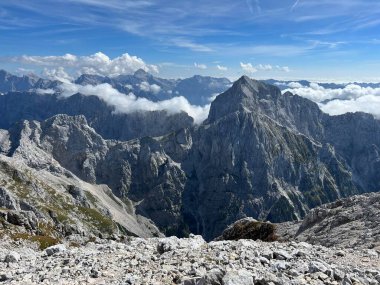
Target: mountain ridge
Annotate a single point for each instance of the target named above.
(197, 89)
(260, 153)
(266, 155)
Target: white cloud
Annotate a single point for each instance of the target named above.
(295, 85)
(97, 63)
(185, 43)
(368, 104)
(58, 73)
(212, 97)
(200, 66)
(264, 67)
(248, 67)
(25, 71)
(130, 103)
(283, 68)
(146, 87)
(45, 91)
(129, 86)
(318, 93)
(351, 98)
(221, 67)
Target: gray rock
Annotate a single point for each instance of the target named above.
(213, 277)
(343, 223)
(316, 266)
(282, 254)
(241, 277)
(192, 281)
(280, 265)
(136, 261)
(12, 257)
(7, 200)
(55, 249)
(5, 277)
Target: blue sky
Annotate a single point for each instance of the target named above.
(287, 39)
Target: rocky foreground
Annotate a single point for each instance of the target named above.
(187, 261)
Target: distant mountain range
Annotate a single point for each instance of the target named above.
(287, 84)
(197, 89)
(260, 153)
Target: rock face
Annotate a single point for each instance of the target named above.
(259, 154)
(189, 261)
(267, 155)
(19, 106)
(9, 82)
(347, 223)
(352, 222)
(39, 199)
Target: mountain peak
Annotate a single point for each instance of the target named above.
(253, 85)
(91, 79)
(3, 73)
(141, 73)
(244, 94)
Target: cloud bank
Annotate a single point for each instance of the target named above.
(130, 103)
(367, 104)
(351, 98)
(98, 63)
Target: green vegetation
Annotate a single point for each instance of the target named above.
(97, 220)
(43, 241)
(91, 197)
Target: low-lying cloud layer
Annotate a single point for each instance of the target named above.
(98, 63)
(351, 98)
(130, 103)
(367, 104)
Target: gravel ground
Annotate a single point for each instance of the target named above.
(187, 261)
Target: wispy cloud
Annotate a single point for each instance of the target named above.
(221, 67)
(200, 65)
(181, 42)
(250, 68)
(295, 4)
(254, 6)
